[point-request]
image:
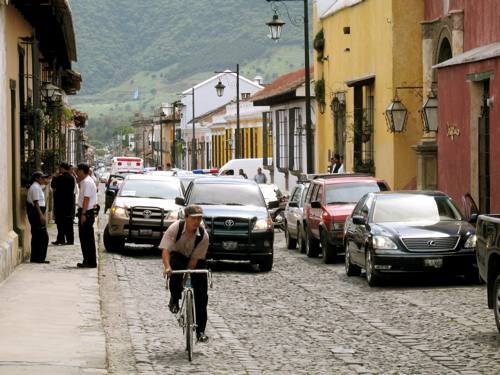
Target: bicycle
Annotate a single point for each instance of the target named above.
(186, 317)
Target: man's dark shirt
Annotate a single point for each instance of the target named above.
(64, 195)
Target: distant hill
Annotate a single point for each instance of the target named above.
(163, 46)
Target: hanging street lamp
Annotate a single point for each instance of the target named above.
(275, 27)
(219, 88)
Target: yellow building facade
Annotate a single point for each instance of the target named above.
(370, 55)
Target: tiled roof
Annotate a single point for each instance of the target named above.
(284, 84)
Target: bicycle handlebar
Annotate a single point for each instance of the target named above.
(190, 271)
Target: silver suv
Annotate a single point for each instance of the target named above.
(143, 209)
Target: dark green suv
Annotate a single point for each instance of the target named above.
(236, 219)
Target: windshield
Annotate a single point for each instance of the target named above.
(350, 192)
(414, 208)
(226, 194)
(150, 189)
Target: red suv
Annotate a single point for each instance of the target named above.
(329, 200)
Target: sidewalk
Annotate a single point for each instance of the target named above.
(50, 320)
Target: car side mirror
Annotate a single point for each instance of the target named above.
(293, 204)
(316, 204)
(180, 201)
(359, 220)
(273, 204)
(473, 218)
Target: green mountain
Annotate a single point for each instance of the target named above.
(161, 47)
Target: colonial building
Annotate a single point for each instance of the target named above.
(368, 60)
(35, 77)
(462, 60)
(283, 135)
(204, 98)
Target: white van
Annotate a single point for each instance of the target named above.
(249, 166)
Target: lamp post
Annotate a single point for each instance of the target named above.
(275, 27)
(220, 92)
(193, 146)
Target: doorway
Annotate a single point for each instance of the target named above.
(484, 151)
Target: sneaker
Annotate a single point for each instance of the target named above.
(201, 337)
(173, 307)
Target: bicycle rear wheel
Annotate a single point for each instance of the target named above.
(189, 323)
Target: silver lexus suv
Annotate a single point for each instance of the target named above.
(142, 211)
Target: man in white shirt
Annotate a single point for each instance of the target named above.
(35, 208)
(87, 199)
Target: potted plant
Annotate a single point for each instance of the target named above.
(319, 44)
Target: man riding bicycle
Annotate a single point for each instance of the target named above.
(184, 246)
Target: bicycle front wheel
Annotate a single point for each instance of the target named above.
(189, 323)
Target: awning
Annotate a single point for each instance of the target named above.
(486, 52)
(361, 81)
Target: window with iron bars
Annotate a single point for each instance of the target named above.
(282, 139)
(267, 138)
(296, 129)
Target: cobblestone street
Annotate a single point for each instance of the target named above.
(302, 317)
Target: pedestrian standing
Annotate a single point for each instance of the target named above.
(242, 173)
(260, 177)
(35, 208)
(87, 199)
(64, 205)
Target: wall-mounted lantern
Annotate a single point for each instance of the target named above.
(396, 115)
(430, 114)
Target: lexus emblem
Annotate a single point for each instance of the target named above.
(431, 243)
(147, 213)
(229, 223)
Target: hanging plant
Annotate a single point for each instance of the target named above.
(319, 41)
(319, 90)
(319, 44)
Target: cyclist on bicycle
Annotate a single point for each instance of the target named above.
(184, 246)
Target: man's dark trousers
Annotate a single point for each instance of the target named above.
(39, 235)
(86, 233)
(65, 233)
(199, 282)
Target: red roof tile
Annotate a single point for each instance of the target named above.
(281, 85)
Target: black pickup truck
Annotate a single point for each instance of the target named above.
(488, 259)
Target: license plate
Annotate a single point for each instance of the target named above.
(435, 263)
(229, 245)
(145, 232)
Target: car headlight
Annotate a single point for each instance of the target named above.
(382, 242)
(173, 215)
(119, 211)
(338, 225)
(263, 224)
(471, 242)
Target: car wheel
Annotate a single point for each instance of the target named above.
(300, 239)
(371, 277)
(350, 269)
(111, 243)
(312, 245)
(291, 243)
(329, 252)
(496, 301)
(266, 265)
